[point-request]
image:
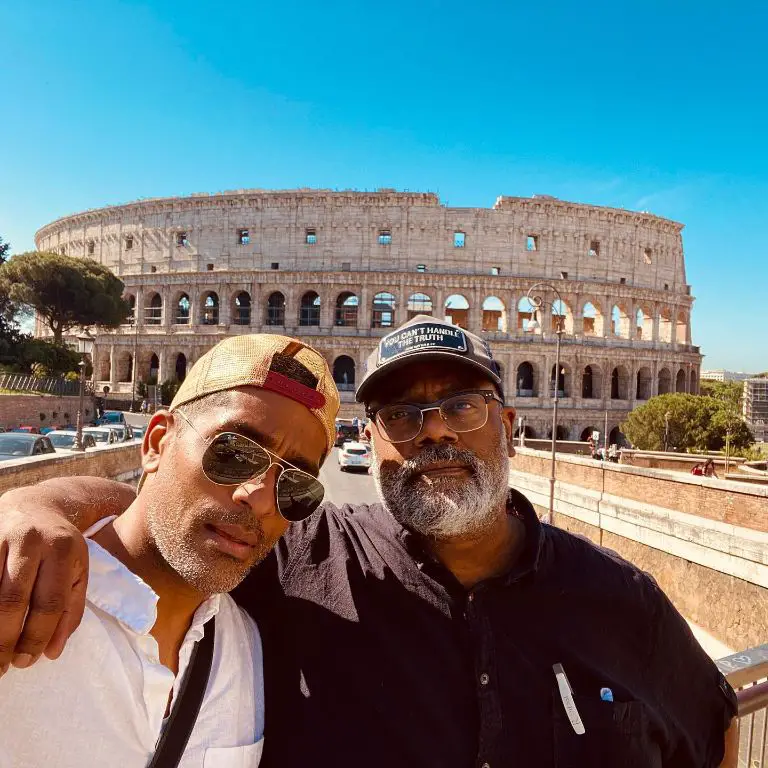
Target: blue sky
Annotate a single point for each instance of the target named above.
(657, 106)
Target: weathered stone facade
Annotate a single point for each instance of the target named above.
(340, 269)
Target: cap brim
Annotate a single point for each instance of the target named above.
(395, 365)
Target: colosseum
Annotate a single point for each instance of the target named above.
(340, 269)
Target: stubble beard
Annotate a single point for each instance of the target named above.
(450, 507)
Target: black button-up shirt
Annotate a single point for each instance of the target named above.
(376, 656)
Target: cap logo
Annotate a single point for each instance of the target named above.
(419, 337)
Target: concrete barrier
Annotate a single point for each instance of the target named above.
(117, 462)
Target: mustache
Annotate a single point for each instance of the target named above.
(242, 518)
(434, 454)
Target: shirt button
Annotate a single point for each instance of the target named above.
(484, 679)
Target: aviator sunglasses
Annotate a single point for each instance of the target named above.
(233, 459)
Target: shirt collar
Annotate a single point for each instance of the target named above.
(116, 590)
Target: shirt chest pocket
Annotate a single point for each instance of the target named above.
(615, 735)
(247, 756)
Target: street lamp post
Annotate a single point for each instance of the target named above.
(84, 347)
(536, 301)
(135, 320)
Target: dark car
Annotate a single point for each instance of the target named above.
(18, 445)
(28, 429)
(345, 433)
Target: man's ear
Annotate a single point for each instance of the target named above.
(508, 420)
(155, 440)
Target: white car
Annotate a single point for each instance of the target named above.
(354, 455)
(102, 436)
(64, 440)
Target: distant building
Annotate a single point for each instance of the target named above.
(756, 407)
(721, 374)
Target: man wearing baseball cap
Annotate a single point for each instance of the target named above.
(447, 627)
(226, 469)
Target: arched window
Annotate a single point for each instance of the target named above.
(154, 369)
(619, 322)
(587, 433)
(561, 389)
(694, 382)
(524, 314)
(591, 383)
(526, 385)
(665, 325)
(644, 384)
(182, 310)
(681, 329)
(640, 331)
(131, 318)
(619, 382)
(153, 311)
(276, 309)
(181, 367)
(457, 310)
(242, 309)
(346, 310)
(344, 373)
(562, 316)
(125, 367)
(383, 315)
(494, 314)
(309, 312)
(680, 381)
(592, 320)
(419, 304)
(528, 431)
(665, 381)
(616, 437)
(210, 312)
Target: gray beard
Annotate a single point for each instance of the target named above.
(447, 507)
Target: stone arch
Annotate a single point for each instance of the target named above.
(586, 433)
(562, 313)
(620, 321)
(524, 314)
(131, 301)
(241, 308)
(309, 309)
(494, 315)
(693, 386)
(105, 368)
(275, 315)
(563, 380)
(180, 369)
(680, 381)
(528, 431)
(665, 325)
(591, 382)
(593, 321)
(344, 373)
(456, 310)
(665, 381)
(125, 367)
(383, 314)
(642, 326)
(525, 380)
(644, 384)
(153, 309)
(620, 383)
(681, 328)
(347, 305)
(182, 309)
(616, 437)
(209, 306)
(562, 432)
(419, 304)
(154, 369)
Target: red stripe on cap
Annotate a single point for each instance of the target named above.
(301, 393)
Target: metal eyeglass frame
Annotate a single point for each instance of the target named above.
(435, 406)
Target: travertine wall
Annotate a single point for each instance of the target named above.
(41, 410)
(340, 269)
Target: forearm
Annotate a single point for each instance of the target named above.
(81, 500)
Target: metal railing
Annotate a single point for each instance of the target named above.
(22, 382)
(747, 672)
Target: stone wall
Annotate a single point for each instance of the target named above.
(118, 462)
(41, 410)
(705, 541)
(678, 462)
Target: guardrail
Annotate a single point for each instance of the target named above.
(747, 672)
(22, 382)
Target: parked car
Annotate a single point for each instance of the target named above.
(122, 432)
(27, 428)
(64, 440)
(138, 432)
(102, 435)
(46, 430)
(111, 417)
(17, 445)
(354, 454)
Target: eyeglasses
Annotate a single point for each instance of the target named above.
(233, 459)
(463, 412)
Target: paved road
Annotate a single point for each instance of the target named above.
(354, 486)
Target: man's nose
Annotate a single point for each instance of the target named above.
(259, 493)
(434, 430)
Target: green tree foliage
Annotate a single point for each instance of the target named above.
(65, 292)
(728, 391)
(695, 423)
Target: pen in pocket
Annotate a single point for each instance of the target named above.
(566, 695)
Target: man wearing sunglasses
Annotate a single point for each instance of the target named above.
(226, 469)
(448, 628)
